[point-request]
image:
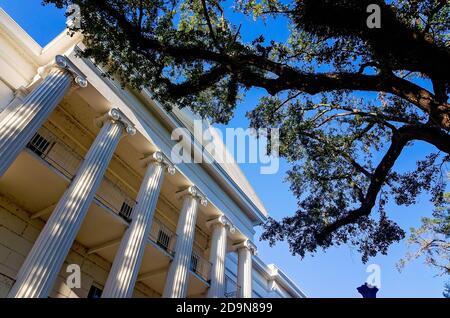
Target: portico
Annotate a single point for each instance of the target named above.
(91, 171)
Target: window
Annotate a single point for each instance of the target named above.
(95, 292)
(163, 240)
(194, 263)
(39, 145)
(125, 210)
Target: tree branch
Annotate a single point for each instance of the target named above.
(400, 138)
(210, 27)
(201, 83)
(242, 66)
(343, 154)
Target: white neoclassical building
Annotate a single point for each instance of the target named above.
(87, 187)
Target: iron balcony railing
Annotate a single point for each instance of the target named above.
(200, 266)
(52, 150)
(232, 294)
(66, 161)
(232, 289)
(163, 237)
(115, 199)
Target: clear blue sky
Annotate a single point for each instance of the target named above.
(334, 273)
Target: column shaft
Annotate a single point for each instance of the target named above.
(123, 275)
(217, 259)
(244, 272)
(177, 277)
(38, 273)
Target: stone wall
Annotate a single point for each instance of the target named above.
(17, 235)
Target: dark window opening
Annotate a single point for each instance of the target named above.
(163, 240)
(194, 263)
(39, 145)
(125, 210)
(95, 292)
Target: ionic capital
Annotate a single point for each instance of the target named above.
(194, 192)
(160, 158)
(247, 244)
(64, 63)
(117, 116)
(223, 221)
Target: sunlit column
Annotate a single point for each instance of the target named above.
(177, 277)
(40, 269)
(123, 275)
(20, 94)
(19, 123)
(245, 251)
(217, 255)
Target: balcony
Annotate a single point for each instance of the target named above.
(114, 199)
(49, 157)
(55, 153)
(232, 289)
(200, 266)
(65, 161)
(162, 237)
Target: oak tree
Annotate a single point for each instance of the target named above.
(348, 97)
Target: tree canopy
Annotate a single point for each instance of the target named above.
(348, 99)
(432, 240)
(446, 292)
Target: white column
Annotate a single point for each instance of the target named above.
(245, 251)
(122, 277)
(19, 123)
(20, 94)
(38, 273)
(217, 255)
(177, 277)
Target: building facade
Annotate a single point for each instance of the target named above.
(91, 205)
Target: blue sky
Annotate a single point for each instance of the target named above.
(334, 273)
